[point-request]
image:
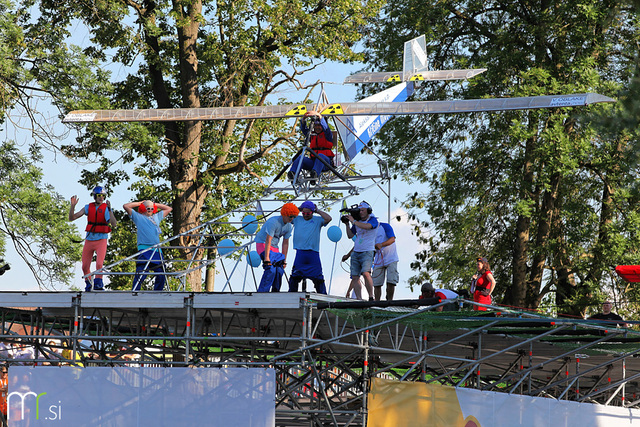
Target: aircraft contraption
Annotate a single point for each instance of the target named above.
(355, 124)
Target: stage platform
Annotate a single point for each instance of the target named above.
(325, 348)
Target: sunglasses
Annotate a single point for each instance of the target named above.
(292, 216)
(149, 209)
(98, 195)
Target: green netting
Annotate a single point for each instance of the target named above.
(511, 324)
(427, 320)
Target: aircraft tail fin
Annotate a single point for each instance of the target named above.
(415, 56)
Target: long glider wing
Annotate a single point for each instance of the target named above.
(340, 109)
(399, 76)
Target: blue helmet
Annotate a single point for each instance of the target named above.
(98, 190)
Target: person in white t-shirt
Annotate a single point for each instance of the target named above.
(385, 262)
(364, 229)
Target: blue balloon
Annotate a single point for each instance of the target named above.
(253, 259)
(226, 246)
(249, 224)
(334, 233)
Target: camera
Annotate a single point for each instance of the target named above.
(4, 268)
(354, 211)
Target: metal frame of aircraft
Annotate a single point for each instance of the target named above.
(415, 69)
(356, 122)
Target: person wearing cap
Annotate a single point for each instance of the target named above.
(482, 284)
(608, 315)
(385, 262)
(100, 220)
(306, 242)
(365, 231)
(428, 291)
(147, 217)
(320, 141)
(267, 240)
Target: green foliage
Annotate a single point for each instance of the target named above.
(13, 74)
(34, 219)
(548, 195)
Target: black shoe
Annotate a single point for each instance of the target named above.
(290, 176)
(313, 181)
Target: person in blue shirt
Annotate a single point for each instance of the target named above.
(385, 262)
(147, 219)
(365, 231)
(306, 242)
(267, 240)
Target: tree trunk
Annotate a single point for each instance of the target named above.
(547, 215)
(517, 292)
(184, 155)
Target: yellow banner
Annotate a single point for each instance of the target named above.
(404, 403)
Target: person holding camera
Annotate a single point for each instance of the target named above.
(482, 284)
(100, 220)
(364, 227)
(306, 242)
(267, 239)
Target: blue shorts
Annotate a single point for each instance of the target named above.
(361, 262)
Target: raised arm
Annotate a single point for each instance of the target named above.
(112, 218)
(75, 215)
(129, 207)
(327, 218)
(164, 208)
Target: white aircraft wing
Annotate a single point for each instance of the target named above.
(399, 76)
(340, 109)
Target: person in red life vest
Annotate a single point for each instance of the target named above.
(100, 220)
(482, 284)
(321, 142)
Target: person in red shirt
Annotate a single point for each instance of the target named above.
(321, 142)
(483, 284)
(4, 386)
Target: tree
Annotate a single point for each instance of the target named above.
(187, 53)
(544, 194)
(33, 217)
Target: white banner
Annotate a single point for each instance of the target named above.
(135, 396)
